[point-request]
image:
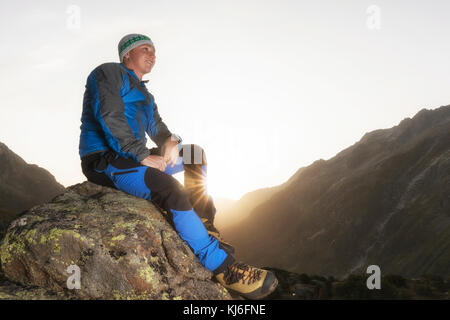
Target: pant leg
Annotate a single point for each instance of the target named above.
(195, 181)
(192, 160)
(93, 166)
(152, 184)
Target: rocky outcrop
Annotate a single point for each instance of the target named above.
(122, 247)
(13, 291)
(22, 186)
(383, 201)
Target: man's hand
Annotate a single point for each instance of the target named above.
(170, 152)
(155, 161)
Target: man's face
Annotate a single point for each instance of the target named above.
(142, 58)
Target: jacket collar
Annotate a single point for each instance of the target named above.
(142, 82)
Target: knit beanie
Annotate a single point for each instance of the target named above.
(131, 41)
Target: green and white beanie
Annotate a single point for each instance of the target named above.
(131, 41)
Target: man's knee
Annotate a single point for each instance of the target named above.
(193, 154)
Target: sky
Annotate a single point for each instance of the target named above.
(265, 87)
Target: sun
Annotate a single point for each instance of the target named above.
(216, 185)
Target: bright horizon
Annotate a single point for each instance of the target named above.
(264, 88)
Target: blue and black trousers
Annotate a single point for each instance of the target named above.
(186, 205)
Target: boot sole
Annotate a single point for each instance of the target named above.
(257, 294)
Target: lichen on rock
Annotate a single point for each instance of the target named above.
(123, 247)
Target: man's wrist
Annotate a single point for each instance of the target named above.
(179, 141)
(175, 137)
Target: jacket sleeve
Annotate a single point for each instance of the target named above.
(157, 129)
(109, 111)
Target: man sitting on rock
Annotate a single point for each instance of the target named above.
(118, 111)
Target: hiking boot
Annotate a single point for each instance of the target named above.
(247, 281)
(212, 230)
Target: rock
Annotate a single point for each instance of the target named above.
(123, 246)
(12, 291)
(22, 186)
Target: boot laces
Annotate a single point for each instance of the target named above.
(241, 271)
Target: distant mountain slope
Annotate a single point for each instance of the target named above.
(22, 185)
(384, 200)
(234, 212)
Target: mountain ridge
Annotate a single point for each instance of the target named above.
(335, 211)
(22, 185)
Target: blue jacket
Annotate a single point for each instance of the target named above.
(117, 112)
